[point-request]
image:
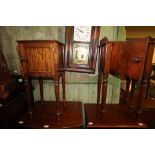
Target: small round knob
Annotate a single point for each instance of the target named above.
(136, 60)
(23, 60)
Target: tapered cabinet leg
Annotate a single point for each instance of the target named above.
(57, 96)
(148, 84)
(99, 87)
(130, 93)
(127, 89)
(104, 92)
(64, 89)
(133, 85)
(141, 97)
(41, 91)
(32, 97)
(28, 92)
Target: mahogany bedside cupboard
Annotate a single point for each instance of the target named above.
(42, 59)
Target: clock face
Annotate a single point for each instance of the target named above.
(82, 33)
(81, 48)
(80, 53)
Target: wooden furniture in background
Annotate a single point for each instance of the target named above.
(151, 84)
(7, 84)
(81, 48)
(131, 60)
(13, 100)
(12, 107)
(42, 59)
(153, 69)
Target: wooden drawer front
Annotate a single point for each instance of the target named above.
(134, 69)
(134, 53)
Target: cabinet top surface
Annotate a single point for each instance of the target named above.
(40, 41)
(128, 40)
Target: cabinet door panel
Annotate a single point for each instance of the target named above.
(41, 58)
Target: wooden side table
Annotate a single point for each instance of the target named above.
(42, 59)
(131, 60)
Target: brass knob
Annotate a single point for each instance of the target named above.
(136, 60)
(23, 60)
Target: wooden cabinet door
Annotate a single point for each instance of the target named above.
(39, 58)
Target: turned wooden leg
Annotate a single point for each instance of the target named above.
(127, 89)
(57, 96)
(130, 93)
(41, 91)
(99, 87)
(141, 97)
(32, 97)
(133, 87)
(148, 84)
(28, 92)
(104, 92)
(64, 89)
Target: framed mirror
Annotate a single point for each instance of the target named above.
(81, 48)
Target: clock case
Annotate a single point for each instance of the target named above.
(92, 54)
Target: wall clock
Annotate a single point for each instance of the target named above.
(81, 48)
